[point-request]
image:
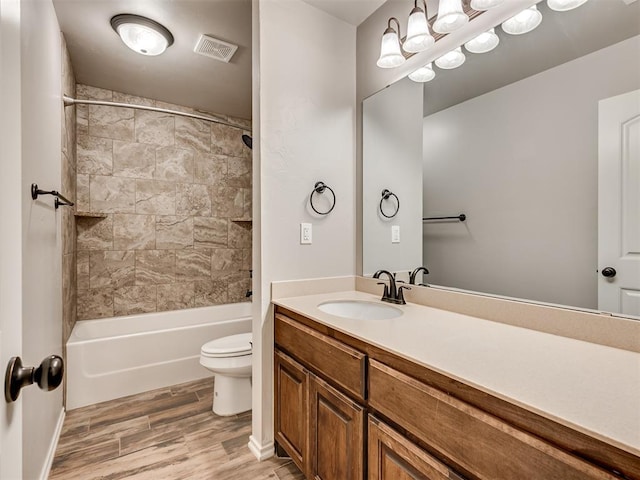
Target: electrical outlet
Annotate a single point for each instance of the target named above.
(395, 234)
(305, 234)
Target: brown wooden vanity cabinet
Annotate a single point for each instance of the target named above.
(318, 424)
(339, 413)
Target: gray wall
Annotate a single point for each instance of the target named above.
(526, 176)
(392, 147)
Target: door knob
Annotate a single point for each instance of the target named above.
(48, 376)
(609, 272)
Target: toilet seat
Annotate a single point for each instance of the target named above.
(225, 347)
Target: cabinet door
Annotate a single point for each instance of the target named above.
(394, 457)
(337, 434)
(291, 408)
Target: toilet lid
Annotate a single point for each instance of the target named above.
(231, 346)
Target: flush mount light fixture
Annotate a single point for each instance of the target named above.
(523, 22)
(418, 36)
(483, 43)
(481, 5)
(142, 34)
(390, 54)
(564, 5)
(423, 74)
(451, 16)
(452, 59)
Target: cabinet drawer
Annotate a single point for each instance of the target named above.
(474, 441)
(337, 362)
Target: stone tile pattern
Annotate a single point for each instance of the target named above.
(170, 433)
(68, 188)
(175, 193)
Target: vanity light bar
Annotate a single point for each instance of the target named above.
(521, 23)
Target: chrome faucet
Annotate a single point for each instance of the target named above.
(414, 274)
(391, 293)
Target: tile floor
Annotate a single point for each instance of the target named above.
(165, 434)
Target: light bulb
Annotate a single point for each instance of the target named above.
(483, 43)
(142, 39)
(564, 5)
(390, 54)
(481, 5)
(423, 74)
(418, 36)
(450, 16)
(450, 60)
(523, 22)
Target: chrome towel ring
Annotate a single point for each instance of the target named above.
(319, 188)
(386, 194)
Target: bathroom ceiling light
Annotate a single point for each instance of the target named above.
(390, 54)
(142, 34)
(450, 60)
(483, 43)
(418, 36)
(481, 5)
(451, 16)
(564, 5)
(423, 74)
(523, 22)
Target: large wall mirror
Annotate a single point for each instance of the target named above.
(537, 143)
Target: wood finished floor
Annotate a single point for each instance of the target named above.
(165, 434)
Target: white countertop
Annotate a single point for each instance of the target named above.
(592, 388)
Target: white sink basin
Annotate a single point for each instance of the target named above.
(360, 310)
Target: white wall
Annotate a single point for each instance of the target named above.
(392, 159)
(306, 122)
(526, 176)
(41, 239)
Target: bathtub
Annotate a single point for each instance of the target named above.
(116, 357)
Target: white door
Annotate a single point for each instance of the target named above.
(10, 232)
(619, 204)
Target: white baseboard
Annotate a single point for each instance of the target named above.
(261, 452)
(46, 468)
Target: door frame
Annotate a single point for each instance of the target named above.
(11, 220)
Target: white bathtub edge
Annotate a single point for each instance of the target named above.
(74, 339)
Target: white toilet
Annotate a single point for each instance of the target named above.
(229, 358)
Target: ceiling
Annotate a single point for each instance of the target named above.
(178, 75)
(561, 37)
(350, 11)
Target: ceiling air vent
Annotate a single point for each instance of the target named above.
(214, 48)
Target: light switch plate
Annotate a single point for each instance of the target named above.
(395, 234)
(305, 234)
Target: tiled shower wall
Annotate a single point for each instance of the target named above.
(68, 189)
(167, 201)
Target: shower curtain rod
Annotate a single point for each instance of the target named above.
(68, 101)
